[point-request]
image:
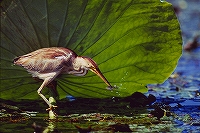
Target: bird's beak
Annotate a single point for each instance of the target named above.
(98, 72)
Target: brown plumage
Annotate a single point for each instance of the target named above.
(48, 63)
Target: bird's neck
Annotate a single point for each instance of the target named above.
(77, 66)
(78, 63)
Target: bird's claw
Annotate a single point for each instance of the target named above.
(52, 107)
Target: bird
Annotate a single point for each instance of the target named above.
(48, 63)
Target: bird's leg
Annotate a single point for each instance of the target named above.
(45, 82)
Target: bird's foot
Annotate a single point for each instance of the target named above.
(52, 113)
(51, 107)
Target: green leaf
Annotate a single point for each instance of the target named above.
(134, 42)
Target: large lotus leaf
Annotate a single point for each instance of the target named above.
(134, 42)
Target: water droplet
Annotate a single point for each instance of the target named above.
(109, 87)
(126, 73)
(162, 0)
(113, 99)
(112, 87)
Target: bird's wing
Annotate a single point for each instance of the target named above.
(45, 60)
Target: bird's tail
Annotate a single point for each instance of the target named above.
(15, 60)
(19, 60)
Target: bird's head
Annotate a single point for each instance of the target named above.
(89, 64)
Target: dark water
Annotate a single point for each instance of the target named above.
(183, 93)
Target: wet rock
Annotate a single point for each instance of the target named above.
(160, 110)
(138, 99)
(120, 128)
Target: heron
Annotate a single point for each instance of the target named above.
(48, 63)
